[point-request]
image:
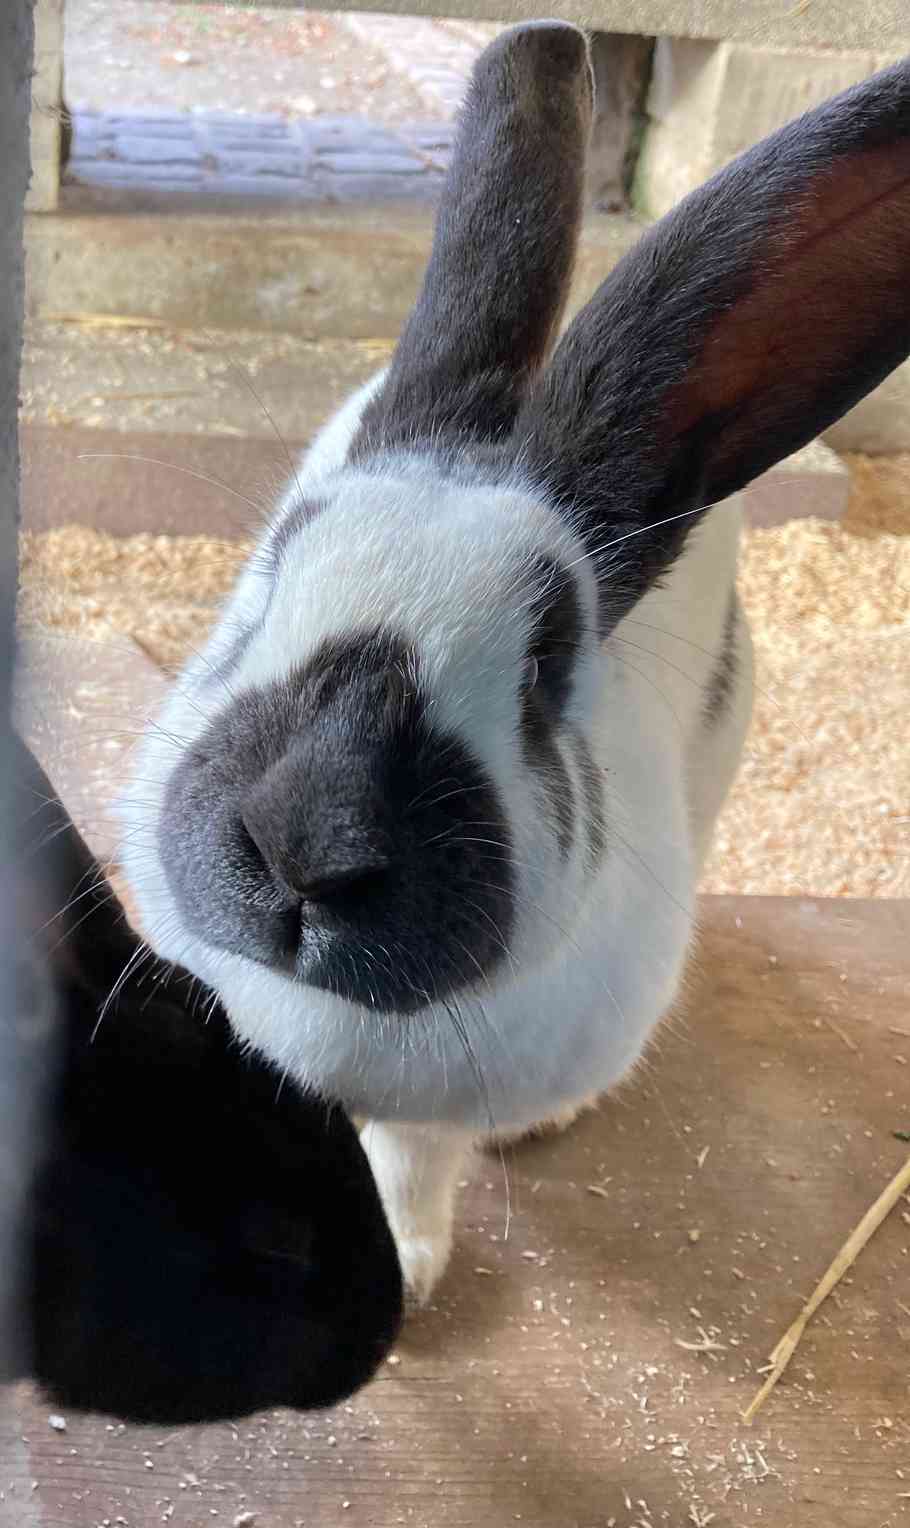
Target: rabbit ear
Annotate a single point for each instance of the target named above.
(502, 254)
(746, 322)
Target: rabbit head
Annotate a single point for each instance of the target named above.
(382, 786)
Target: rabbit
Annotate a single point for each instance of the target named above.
(201, 1240)
(428, 811)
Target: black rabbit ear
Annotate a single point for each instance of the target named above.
(746, 322)
(503, 250)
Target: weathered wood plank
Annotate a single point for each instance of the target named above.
(20, 1076)
(348, 273)
(47, 104)
(788, 23)
(551, 1388)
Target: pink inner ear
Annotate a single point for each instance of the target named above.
(831, 278)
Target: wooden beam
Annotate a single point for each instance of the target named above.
(18, 1076)
(768, 23)
(47, 107)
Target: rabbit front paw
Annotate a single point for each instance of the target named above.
(423, 1262)
(416, 1168)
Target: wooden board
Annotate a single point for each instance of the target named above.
(47, 104)
(836, 23)
(548, 1385)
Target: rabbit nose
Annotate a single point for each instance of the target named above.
(335, 885)
(335, 866)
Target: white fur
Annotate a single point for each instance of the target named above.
(594, 963)
(417, 1168)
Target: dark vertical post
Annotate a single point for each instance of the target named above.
(19, 1081)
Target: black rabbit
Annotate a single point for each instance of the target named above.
(202, 1239)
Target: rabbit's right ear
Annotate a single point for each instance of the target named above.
(503, 250)
(743, 325)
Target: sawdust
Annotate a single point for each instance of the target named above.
(822, 805)
(163, 591)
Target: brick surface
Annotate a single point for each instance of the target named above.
(142, 150)
(165, 124)
(154, 177)
(350, 162)
(333, 159)
(434, 57)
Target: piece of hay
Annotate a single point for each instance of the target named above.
(108, 320)
(845, 1259)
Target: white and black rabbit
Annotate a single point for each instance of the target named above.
(429, 810)
(198, 1241)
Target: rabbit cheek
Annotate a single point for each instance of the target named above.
(325, 826)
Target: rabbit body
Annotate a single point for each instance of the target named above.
(429, 811)
(663, 705)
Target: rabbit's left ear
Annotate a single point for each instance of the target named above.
(746, 322)
(503, 249)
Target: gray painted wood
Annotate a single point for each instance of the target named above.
(17, 1074)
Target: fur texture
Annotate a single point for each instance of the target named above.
(542, 539)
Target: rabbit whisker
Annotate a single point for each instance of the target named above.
(155, 461)
(142, 953)
(245, 377)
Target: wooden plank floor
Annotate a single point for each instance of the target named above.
(549, 1385)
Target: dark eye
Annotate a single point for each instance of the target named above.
(531, 673)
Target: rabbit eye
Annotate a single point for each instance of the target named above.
(531, 673)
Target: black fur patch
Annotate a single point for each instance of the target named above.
(595, 812)
(556, 634)
(720, 685)
(741, 326)
(269, 559)
(222, 669)
(541, 753)
(502, 255)
(202, 1241)
(288, 527)
(325, 827)
(555, 639)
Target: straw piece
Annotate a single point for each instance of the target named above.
(845, 1259)
(841, 1034)
(108, 320)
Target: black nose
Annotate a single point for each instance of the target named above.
(333, 856)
